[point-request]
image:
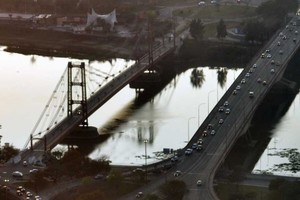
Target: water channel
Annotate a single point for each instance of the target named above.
(168, 120)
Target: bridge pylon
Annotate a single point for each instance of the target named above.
(82, 99)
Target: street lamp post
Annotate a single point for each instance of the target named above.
(146, 141)
(199, 113)
(208, 100)
(189, 128)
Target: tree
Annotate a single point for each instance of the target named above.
(173, 190)
(221, 29)
(7, 152)
(197, 29)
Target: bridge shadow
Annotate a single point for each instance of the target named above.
(249, 147)
(87, 138)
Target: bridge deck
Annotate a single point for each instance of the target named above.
(62, 129)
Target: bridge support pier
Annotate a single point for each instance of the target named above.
(77, 80)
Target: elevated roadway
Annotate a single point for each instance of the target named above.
(63, 128)
(258, 78)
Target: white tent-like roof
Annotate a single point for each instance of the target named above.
(109, 18)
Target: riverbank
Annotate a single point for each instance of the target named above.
(25, 40)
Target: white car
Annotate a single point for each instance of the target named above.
(17, 174)
(272, 71)
(226, 103)
(201, 3)
(227, 111)
(238, 87)
(139, 195)
(221, 121)
(269, 56)
(199, 183)
(177, 173)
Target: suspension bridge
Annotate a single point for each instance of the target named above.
(81, 90)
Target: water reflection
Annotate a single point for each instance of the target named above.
(161, 118)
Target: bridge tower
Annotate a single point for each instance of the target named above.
(81, 82)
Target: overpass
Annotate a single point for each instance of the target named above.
(258, 77)
(261, 73)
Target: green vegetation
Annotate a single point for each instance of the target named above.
(227, 191)
(197, 29)
(7, 152)
(214, 12)
(173, 190)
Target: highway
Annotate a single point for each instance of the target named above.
(259, 76)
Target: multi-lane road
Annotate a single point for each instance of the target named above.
(258, 77)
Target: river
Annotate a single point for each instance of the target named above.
(167, 121)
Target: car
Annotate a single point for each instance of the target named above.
(226, 103)
(204, 134)
(33, 171)
(199, 147)
(284, 37)
(29, 194)
(25, 164)
(221, 109)
(264, 83)
(213, 1)
(251, 70)
(139, 195)
(209, 126)
(99, 176)
(200, 141)
(201, 3)
(294, 40)
(177, 173)
(280, 34)
(221, 121)
(243, 81)
(188, 151)
(238, 87)
(213, 132)
(17, 174)
(296, 32)
(263, 55)
(199, 182)
(234, 92)
(139, 170)
(19, 193)
(272, 71)
(247, 75)
(251, 94)
(38, 198)
(267, 50)
(272, 62)
(280, 52)
(259, 80)
(227, 111)
(5, 188)
(278, 43)
(254, 66)
(194, 146)
(269, 56)
(174, 159)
